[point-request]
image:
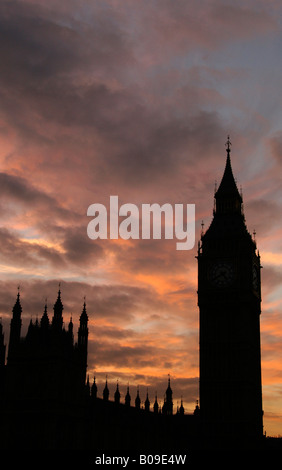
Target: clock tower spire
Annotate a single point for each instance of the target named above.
(229, 301)
(227, 198)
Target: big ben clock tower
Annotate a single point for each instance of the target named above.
(229, 299)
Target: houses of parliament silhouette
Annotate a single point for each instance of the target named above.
(47, 402)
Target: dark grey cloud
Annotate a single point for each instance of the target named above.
(109, 354)
(55, 70)
(114, 333)
(79, 248)
(43, 42)
(118, 303)
(242, 21)
(78, 251)
(18, 189)
(267, 220)
(18, 252)
(271, 277)
(154, 257)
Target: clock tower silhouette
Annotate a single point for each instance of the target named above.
(229, 300)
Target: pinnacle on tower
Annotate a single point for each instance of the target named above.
(44, 322)
(127, 397)
(17, 309)
(117, 395)
(147, 402)
(227, 197)
(137, 400)
(106, 392)
(83, 329)
(83, 317)
(94, 389)
(57, 320)
(156, 405)
(181, 409)
(15, 327)
(168, 404)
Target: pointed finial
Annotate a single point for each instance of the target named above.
(106, 390)
(59, 292)
(17, 309)
(228, 145)
(202, 225)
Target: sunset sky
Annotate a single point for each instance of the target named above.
(136, 99)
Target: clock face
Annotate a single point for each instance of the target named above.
(255, 278)
(222, 274)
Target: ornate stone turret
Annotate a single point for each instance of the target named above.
(106, 392)
(156, 405)
(83, 328)
(94, 389)
(117, 395)
(147, 402)
(57, 320)
(168, 403)
(137, 400)
(44, 322)
(127, 397)
(15, 328)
